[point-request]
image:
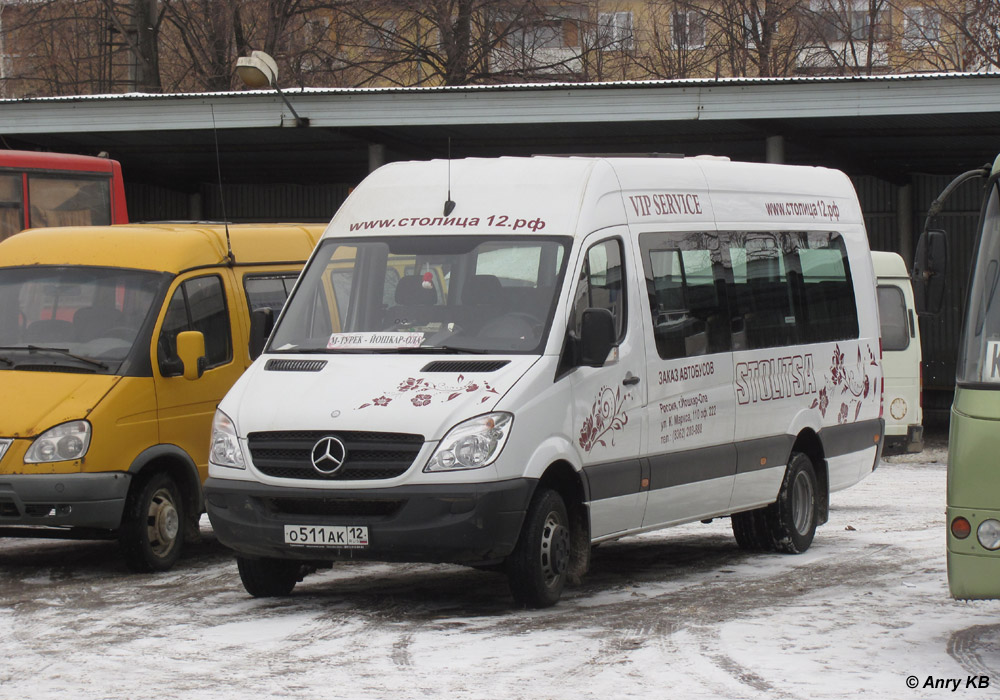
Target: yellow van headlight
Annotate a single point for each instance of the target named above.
(64, 442)
(225, 448)
(471, 444)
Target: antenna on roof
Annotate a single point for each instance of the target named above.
(449, 206)
(230, 258)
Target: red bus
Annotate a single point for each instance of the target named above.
(58, 189)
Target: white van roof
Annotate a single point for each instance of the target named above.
(888, 264)
(549, 195)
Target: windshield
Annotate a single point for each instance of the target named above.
(425, 294)
(78, 318)
(979, 354)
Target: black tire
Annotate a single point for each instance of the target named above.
(151, 535)
(269, 578)
(792, 519)
(537, 568)
(751, 531)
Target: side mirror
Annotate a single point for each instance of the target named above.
(929, 268)
(191, 351)
(597, 337)
(261, 325)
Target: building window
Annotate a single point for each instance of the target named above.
(921, 26)
(614, 31)
(542, 35)
(688, 30)
(383, 36)
(849, 20)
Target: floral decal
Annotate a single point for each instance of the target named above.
(854, 382)
(607, 416)
(423, 393)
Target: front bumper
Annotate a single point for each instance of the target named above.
(454, 523)
(62, 500)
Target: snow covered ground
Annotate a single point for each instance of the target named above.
(681, 613)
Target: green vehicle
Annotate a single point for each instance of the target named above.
(973, 514)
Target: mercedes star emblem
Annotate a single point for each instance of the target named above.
(328, 455)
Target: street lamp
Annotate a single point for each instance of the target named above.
(258, 70)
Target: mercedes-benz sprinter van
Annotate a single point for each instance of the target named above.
(564, 351)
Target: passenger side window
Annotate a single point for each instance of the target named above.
(831, 311)
(790, 287)
(198, 304)
(685, 288)
(268, 291)
(602, 285)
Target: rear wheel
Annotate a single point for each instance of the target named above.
(269, 578)
(792, 518)
(536, 569)
(151, 535)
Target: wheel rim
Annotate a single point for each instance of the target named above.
(802, 503)
(554, 550)
(163, 522)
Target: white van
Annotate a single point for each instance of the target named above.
(901, 359)
(501, 362)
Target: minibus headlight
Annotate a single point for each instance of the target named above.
(225, 448)
(988, 534)
(61, 443)
(471, 444)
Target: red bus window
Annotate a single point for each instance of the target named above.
(69, 201)
(11, 205)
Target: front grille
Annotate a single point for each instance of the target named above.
(370, 456)
(335, 507)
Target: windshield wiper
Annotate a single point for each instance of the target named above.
(444, 349)
(9, 363)
(62, 351)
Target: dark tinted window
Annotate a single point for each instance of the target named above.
(685, 283)
(790, 287)
(198, 304)
(893, 318)
(268, 291)
(600, 285)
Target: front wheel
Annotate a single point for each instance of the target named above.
(151, 536)
(536, 569)
(269, 578)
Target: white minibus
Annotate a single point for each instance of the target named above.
(502, 362)
(901, 356)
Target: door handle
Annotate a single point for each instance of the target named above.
(630, 379)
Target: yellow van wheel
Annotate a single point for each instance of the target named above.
(152, 531)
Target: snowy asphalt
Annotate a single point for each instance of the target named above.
(681, 613)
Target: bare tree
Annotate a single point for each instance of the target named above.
(679, 40)
(759, 37)
(848, 37)
(458, 42)
(968, 34)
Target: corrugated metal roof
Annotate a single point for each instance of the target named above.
(522, 87)
(732, 99)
